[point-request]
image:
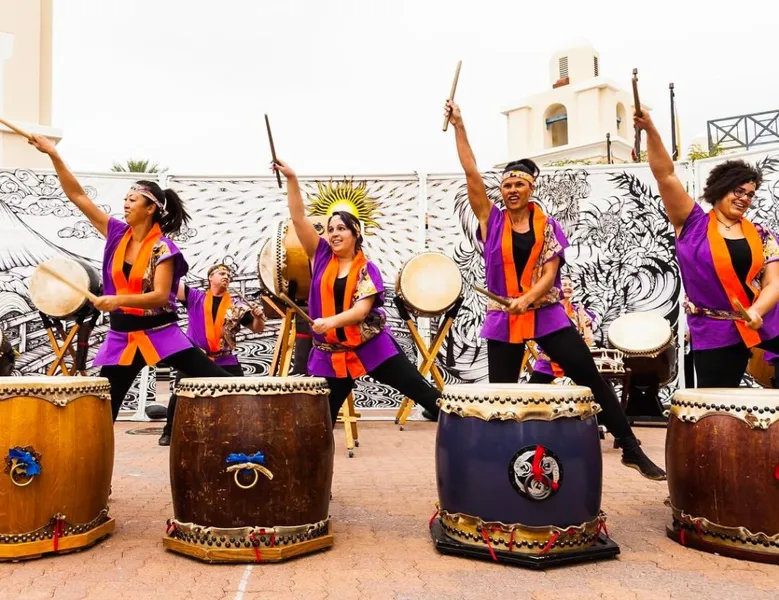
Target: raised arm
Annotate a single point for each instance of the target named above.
(71, 186)
(307, 234)
(678, 203)
(477, 193)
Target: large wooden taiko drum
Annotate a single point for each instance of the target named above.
(58, 300)
(519, 470)
(251, 465)
(722, 459)
(57, 441)
(429, 284)
(282, 260)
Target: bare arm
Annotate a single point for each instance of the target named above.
(544, 283)
(769, 294)
(477, 192)
(181, 294)
(72, 187)
(354, 316)
(163, 281)
(678, 203)
(307, 234)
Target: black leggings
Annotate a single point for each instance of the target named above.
(121, 377)
(724, 367)
(397, 372)
(233, 370)
(567, 348)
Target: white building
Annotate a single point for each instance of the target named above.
(25, 79)
(571, 120)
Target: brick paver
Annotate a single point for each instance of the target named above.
(382, 501)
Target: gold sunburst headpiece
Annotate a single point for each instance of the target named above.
(345, 196)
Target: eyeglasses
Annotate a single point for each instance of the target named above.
(741, 193)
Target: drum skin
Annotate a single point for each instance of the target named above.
(722, 469)
(293, 431)
(429, 284)
(54, 298)
(67, 422)
(476, 461)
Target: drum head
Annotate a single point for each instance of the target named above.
(760, 401)
(507, 391)
(51, 296)
(430, 282)
(640, 332)
(235, 386)
(266, 267)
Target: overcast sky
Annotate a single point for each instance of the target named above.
(357, 86)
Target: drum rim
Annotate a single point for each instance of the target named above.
(415, 308)
(191, 387)
(263, 283)
(488, 390)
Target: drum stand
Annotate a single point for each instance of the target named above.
(428, 365)
(78, 357)
(280, 365)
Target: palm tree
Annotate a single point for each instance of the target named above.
(136, 166)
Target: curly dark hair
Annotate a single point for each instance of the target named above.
(726, 177)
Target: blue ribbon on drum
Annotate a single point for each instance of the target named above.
(241, 463)
(22, 464)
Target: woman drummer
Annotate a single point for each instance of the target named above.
(723, 258)
(141, 273)
(350, 336)
(546, 371)
(523, 252)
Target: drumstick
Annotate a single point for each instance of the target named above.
(272, 149)
(296, 308)
(76, 288)
(16, 129)
(636, 101)
(742, 311)
(451, 94)
(492, 296)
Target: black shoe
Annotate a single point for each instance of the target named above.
(429, 416)
(164, 439)
(633, 456)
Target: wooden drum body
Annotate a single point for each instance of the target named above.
(282, 259)
(646, 341)
(722, 459)
(520, 466)
(57, 441)
(760, 369)
(429, 284)
(251, 465)
(54, 298)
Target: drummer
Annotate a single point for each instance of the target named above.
(350, 336)
(722, 257)
(546, 371)
(523, 250)
(214, 321)
(141, 270)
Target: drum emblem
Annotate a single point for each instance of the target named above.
(535, 473)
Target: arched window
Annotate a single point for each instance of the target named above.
(556, 120)
(622, 124)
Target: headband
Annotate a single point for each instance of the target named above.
(521, 174)
(220, 266)
(147, 193)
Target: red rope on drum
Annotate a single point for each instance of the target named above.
(681, 535)
(511, 541)
(256, 548)
(602, 527)
(776, 472)
(538, 474)
(59, 530)
(698, 528)
(550, 543)
(430, 524)
(171, 528)
(489, 546)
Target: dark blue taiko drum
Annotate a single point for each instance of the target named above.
(519, 467)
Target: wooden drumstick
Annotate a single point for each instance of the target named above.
(16, 129)
(75, 287)
(296, 308)
(491, 296)
(451, 93)
(272, 149)
(636, 101)
(742, 311)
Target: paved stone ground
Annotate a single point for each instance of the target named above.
(382, 501)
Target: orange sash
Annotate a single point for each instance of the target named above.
(521, 327)
(135, 284)
(214, 328)
(138, 340)
(727, 274)
(344, 363)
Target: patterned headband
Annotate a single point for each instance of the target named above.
(521, 174)
(147, 193)
(221, 266)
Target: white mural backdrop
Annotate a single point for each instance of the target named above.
(621, 257)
